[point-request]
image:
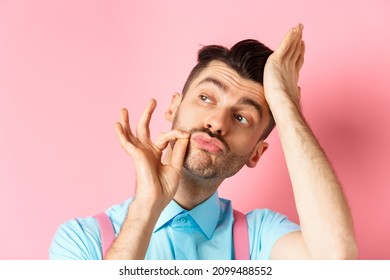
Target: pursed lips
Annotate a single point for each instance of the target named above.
(208, 143)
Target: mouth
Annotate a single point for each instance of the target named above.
(208, 143)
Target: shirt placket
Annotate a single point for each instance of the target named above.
(184, 243)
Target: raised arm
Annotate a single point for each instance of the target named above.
(156, 183)
(326, 223)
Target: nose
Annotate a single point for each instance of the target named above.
(218, 122)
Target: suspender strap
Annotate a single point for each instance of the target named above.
(107, 234)
(240, 236)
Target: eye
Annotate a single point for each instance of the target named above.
(241, 119)
(204, 98)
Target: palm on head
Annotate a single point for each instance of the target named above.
(281, 71)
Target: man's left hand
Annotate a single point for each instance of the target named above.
(281, 71)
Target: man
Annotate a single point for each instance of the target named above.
(219, 123)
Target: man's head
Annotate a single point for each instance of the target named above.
(223, 107)
(247, 58)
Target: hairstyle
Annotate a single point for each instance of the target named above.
(247, 58)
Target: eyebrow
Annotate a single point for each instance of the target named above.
(210, 80)
(251, 102)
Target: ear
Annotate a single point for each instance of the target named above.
(175, 102)
(261, 147)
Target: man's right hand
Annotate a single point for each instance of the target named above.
(157, 183)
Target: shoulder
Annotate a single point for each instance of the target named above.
(265, 227)
(77, 239)
(268, 222)
(80, 238)
(118, 213)
(266, 217)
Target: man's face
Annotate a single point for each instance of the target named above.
(226, 115)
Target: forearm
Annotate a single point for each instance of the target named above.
(324, 215)
(134, 237)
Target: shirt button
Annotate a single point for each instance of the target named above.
(183, 220)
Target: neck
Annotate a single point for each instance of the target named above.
(192, 189)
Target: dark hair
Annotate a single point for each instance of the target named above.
(247, 57)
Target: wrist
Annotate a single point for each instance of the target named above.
(284, 108)
(280, 98)
(145, 210)
(282, 101)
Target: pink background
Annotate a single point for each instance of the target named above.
(67, 67)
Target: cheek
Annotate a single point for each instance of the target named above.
(186, 117)
(191, 111)
(242, 143)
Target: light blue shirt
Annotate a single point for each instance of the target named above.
(205, 232)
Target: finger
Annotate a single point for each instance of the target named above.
(295, 44)
(124, 121)
(298, 45)
(301, 56)
(143, 132)
(164, 138)
(288, 40)
(295, 53)
(129, 147)
(179, 151)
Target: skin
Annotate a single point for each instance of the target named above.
(220, 111)
(217, 104)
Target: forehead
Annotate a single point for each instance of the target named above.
(229, 79)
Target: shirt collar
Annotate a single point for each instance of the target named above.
(206, 214)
